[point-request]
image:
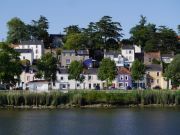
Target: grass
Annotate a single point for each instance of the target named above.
(87, 97)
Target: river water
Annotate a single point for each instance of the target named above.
(123, 121)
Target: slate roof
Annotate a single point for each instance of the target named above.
(31, 42)
(68, 51)
(114, 53)
(153, 67)
(127, 47)
(167, 55)
(82, 52)
(23, 50)
(91, 71)
(63, 70)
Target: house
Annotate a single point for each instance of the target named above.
(137, 49)
(116, 57)
(167, 58)
(35, 45)
(155, 78)
(26, 54)
(151, 57)
(67, 56)
(124, 79)
(38, 86)
(128, 53)
(91, 80)
(27, 75)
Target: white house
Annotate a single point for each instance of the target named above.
(167, 58)
(26, 54)
(27, 76)
(137, 49)
(91, 81)
(36, 46)
(38, 86)
(128, 53)
(116, 57)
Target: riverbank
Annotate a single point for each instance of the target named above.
(90, 99)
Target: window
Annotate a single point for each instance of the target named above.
(89, 86)
(121, 77)
(149, 59)
(126, 77)
(152, 80)
(28, 47)
(24, 58)
(157, 73)
(64, 86)
(36, 51)
(130, 52)
(94, 85)
(67, 61)
(89, 77)
(62, 78)
(121, 84)
(126, 84)
(157, 81)
(78, 85)
(36, 46)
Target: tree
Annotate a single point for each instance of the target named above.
(72, 29)
(38, 30)
(17, 31)
(48, 66)
(151, 45)
(137, 70)
(75, 71)
(142, 32)
(107, 71)
(173, 71)
(10, 66)
(167, 38)
(76, 41)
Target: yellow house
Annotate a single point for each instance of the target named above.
(155, 78)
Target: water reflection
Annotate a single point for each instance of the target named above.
(90, 122)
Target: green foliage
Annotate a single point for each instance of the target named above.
(142, 32)
(75, 41)
(75, 70)
(17, 31)
(47, 65)
(38, 30)
(151, 45)
(173, 71)
(137, 70)
(155, 61)
(10, 65)
(107, 70)
(168, 39)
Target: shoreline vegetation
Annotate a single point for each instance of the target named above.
(89, 99)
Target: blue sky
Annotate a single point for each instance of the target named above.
(62, 13)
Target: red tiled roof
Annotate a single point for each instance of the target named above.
(123, 70)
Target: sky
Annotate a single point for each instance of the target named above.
(62, 13)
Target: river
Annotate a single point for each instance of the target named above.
(122, 121)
